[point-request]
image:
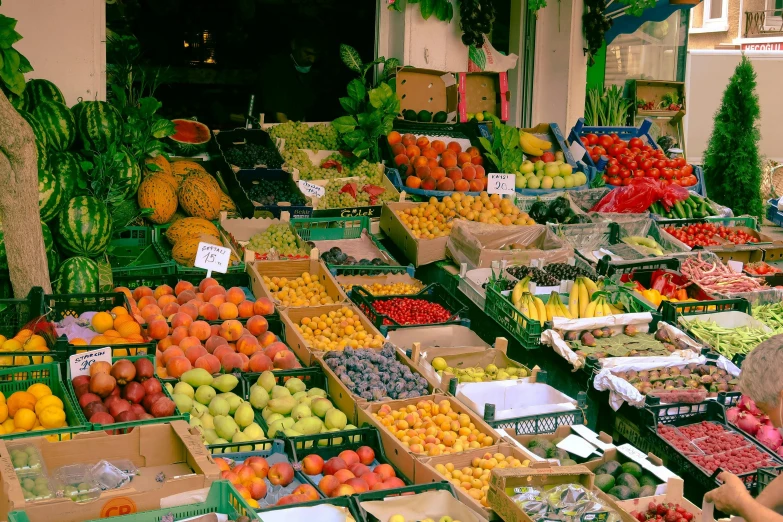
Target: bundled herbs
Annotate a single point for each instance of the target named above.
(504, 151)
(609, 109)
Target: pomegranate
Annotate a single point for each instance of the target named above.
(145, 416)
(111, 399)
(163, 407)
(769, 436)
(87, 398)
(99, 367)
(152, 386)
(123, 371)
(748, 423)
(81, 389)
(118, 407)
(144, 369)
(102, 384)
(93, 408)
(102, 418)
(133, 392)
(137, 409)
(126, 416)
(732, 414)
(116, 391)
(80, 379)
(151, 398)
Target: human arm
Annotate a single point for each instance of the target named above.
(733, 498)
(772, 496)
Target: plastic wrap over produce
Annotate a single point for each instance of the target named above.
(478, 244)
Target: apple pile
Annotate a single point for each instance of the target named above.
(351, 472)
(254, 475)
(123, 392)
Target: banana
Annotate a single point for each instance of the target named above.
(589, 310)
(614, 310)
(530, 306)
(607, 310)
(550, 310)
(584, 299)
(591, 286)
(564, 311)
(533, 141)
(573, 301)
(599, 309)
(540, 143)
(541, 313)
(516, 294)
(528, 145)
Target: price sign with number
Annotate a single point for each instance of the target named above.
(500, 183)
(311, 189)
(80, 363)
(212, 257)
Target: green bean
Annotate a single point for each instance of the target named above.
(731, 341)
(770, 314)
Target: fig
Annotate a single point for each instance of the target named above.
(123, 371)
(598, 333)
(99, 367)
(674, 371)
(661, 336)
(102, 384)
(706, 379)
(588, 339)
(654, 375)
(644, 375)
(163, 407)
(133, 392)
(632, 374)
(144, 369)
(686, 372)
(607, 331)
(631, 330)
(572, 336)
(658, 384)
(152, 386)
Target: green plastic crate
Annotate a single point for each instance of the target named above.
(124, 427)
(337, 228)
(19, 379)
(521, 328)
(163, 249)
(131, 252)
(222, 498)
(741, 221)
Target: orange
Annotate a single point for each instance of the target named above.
(25, 419)
(102, 321)
(118, 311)
(100, 339)
(129, 328)
(111, 333)
(35, 343)
(19, 400)
(78, 342)
(49, 401)
(122, 319)
(39, 390)
(52, 417)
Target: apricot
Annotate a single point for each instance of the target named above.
(408, 139)
(412, 150)
(393, 138)
(400, 159)
(413, 182)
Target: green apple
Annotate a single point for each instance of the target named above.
(579, 179)
(565, 169)
(520, 182)
(559, 155)
(530, 175)
(539, 165)
(547, 182)
(559, 182)
(527, 167)
(569, 181)
(533, 183)
(551, 170)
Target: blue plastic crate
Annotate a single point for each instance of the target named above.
(626, 133)
(773, 214)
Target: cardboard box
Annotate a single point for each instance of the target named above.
(427, 90)
(350, 403)
(602, 442)
(293, 316)
(395, 450)
(484, 92)
(503, 481)
(346, 281)
(674, 495)
(238, 232)
(425, 471)
(438, 339)
(653, 91)
(430, 504)
(515, 399)
(292, 269)
(168, 449)
(743, 253)
(417, 251)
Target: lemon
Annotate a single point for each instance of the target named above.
(24, 419)
(479, 116)
(439, 363)
(52, 417)
(3, 412)
(48, 401)
(8, 425)
(39, 390)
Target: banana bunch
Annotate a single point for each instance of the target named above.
(533, 145)
(555, 307)
(584, 303)
(520, 288)
(531, 307)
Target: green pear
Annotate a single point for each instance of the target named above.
(241, 437)
(210, 435)
(198, 409)
(205, 393)
(219, 406)
(335, 419)
(307, 401)
(267, 381)
(283, 405)
(183, 402)
(279, 391)
(244, 415)
(279, 426)
(197, 377)
(292, 433)
(298, 396)
(185, 389)
(308, 425)
(266, 412)
(169, 388)
(352, 438)
(225, 382)
(195, 422)
(301, 411)
(208, 421)
(254, 431)
(225, 427)
(273, 417)
(220, 441)
(320, 406)
(316, 392)
(336, 440)
(234, 401)
(295, 385)
(258, 397)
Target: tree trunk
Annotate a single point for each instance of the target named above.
(19, 212)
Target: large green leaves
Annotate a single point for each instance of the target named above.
(442, 9)
(13, 65)
(351, 58)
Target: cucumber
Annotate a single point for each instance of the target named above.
(679, 211)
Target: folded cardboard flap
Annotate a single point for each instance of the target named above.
(427, 89)
(438, 340)
(430, 504)
(539, 474)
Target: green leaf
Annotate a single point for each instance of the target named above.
(442, 9)
(380, 96)
(362, 151)
(387, 125)
(485, 143)
(356, 90)
(351, 58)
(390, 67)
(449, 12)
(10, 74)
(162, 128)
(149, 106)
(427, 8)
(371, 121)
(153, 167)
(344, 124)
(350, 105)
(413, 1)
(354, 138)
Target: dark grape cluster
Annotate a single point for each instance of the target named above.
(476, 20)
(270, 192)
(251, 155)
(594, 24)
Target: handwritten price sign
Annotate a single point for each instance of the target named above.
(80, 363)
(311, 189)
(212, 257)
(500, 184)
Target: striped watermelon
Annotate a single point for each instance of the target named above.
(58, 122)
(66, 169)
(190, 137)
(16, 100)
(40, 138)
(126, 175)
(85, 226)
(51, 253)
(76, 275)
(99, 125)
(38, 91)
(50, 195)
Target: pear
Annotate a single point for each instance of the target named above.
(320, 406)
(267, 381)
(210, 435)
(352, 438)
(254, 431)
(279, 391)
(195, 422)
(208, 421)
(292, 433)
(295, 385)
(225, 427)
(184, 389)
(266, 412)
(335, 419)
(279, 426)
(273, 417)
(183, 402)
(219, 406)
(197, 377)
(335, 441)
(308, 425)
(258, 397)
(220, 441)
(241, 437)
(169, 388)
(244, 415)
(316, 392)
(298, 396)
(301, 411)
(205, 393)
(307, 401)
(225, 382)
(198, 409)
(282, 405)
(234, 401)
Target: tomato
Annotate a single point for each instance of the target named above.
(615, 137)
(635, 150)
(615, 181)
(595, 157)
(676, 181)
(636, 142)
(627, 181)
(639, 173)
(613, 170)
(633, 165)
(585, 141)
(625, 160)
(592, 139)
(615, 149)
(605, 141)
(614, 161)
(680, 162)
(671, 163)
(598, 150)
(647, 148)
(625, 173)
(654, 173)
(667, 173)
(687, 169)
(646, 164)
(605, 178)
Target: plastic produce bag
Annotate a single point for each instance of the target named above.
(566, 502)
(637, 197)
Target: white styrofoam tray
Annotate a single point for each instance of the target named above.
(514, 399)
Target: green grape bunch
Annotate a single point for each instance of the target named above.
(322, 136)
(278, 238)
(334, 197)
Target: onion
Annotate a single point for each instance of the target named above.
(732, 414)
(748, 423)
(769, 436)
(747, 404)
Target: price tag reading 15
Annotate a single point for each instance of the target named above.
(500, 183)
(211, 257)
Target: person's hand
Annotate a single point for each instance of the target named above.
(731, 497)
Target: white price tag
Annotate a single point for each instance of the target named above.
(80, 363)
(212, 257)
(311, 189)
(500, 183)
(578, 446)
(736, 266)
(577, 151)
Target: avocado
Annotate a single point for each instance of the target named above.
(633, 468)
(440, 117)
(604, 482)
(626, 479)
(621, 492)
(648, 480)
(647, 491)
(425, 116)
(568, 462)
(611, 467)
(409, 115)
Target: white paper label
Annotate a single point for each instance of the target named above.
(591, 436)
(577, 151)
(80, 363)
(500, 183)
(632, 453)
(736, 266)
(311, 189)
(577, 445)
(212, 257)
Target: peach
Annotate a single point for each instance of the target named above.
(149, 311)
(274, 348)
(214, 330)
(401, 159)
(478, 160)
(463, 157)
(263, 306)
(384, 472)
(281, 474)
(307, 490)
(126, 291)
(243, 491)
(429, 153)
(476, 185)
(343, 474)
(245, 309)
(259, 464)
(228, 311)
(438, 173)
(257, 488)
(190, 309)
(358, 484)
(222, 464)
(343, 490)
(179, 333)
(408, 139)
(158, 329)
(235, 295)
(213, 342)
(448, 161)
(246, 474)
(194, 353)
(169, 310)
(412, 150)
(313, 464)
(468, 172)
(292, 499)
(413, 182)
(266, 339)
(230, 476)
(394, 482)
(371, 479)
(177, 366)
(260, 363)
(366, 456)
(462, 185)
(206, 283)
(245, 362)
(480, 173)
(222, 351)
(422, 142)
(328, 484)
(208, 311)
(393, 138)
(183, 286)
(189, 341)
(333, 465)
(248, 345)
(432, 163)
(208, 362)
(232, 361)
(217, 300)
(213, 291)
(423, 172)
(162, 290)
(285, 360)
(420, 161)
(473, 151)
(358, 469)
(200, 330)
(141, 291)
(454, 146)
(186, 297)
(231, 330)
(181, 319)
(257, 325)
(429, 183)
(164, 343)
(166, 299)
(397, 149)
(446, 184)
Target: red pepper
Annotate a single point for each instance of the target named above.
(350, 188)
(332, 164)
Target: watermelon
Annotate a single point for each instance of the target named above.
(40, 138)
(85, 226)
(76, 275)
(66, 168)
(99, 125)
(16, 100)
(126, 175)
(105, 276)
(58, 122)
(51, 253)
(38, 91)
(50, 195)
(124, 213)
(190, 137)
